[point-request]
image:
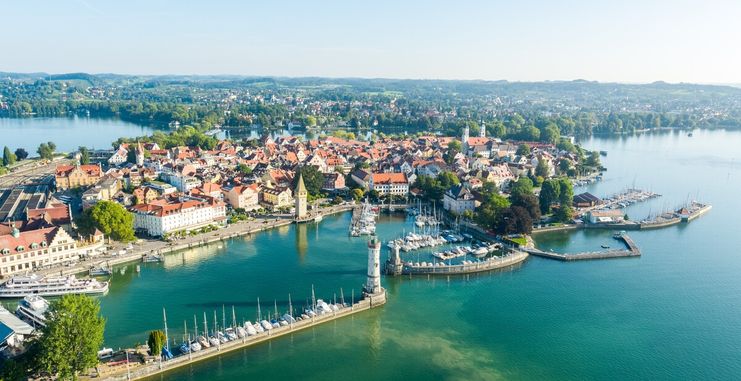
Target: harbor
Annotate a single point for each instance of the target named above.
(120, 367)
(631, 250)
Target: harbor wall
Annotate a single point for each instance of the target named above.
(513, 259)
(142, 371)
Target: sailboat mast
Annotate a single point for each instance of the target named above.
(195, 324)
(167, 338)
(259, 317)
(290, 305)
(234, 318)
(205, 324)
(223, 317)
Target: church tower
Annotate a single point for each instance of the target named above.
(300, 194)
(373, 282)
(482, 130)
(464, 140)
(139, 154)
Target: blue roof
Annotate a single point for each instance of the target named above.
(5, 332)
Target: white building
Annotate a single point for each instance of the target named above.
(458, 199)
(119, 157)
(181, 182)
(28, 250)
(389, 183)
(246, 197)
(164, 216)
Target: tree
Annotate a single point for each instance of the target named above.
(52, 146)
(491, 207)
(529, 202)
(73, 334)
(514, 219)
(156, 342)
(112, 219)
(522, 186)
(313, 179)
(523, 150)
(564, 213)
(131, 155)
(45, 152)
(566, 192)
(357, 194)
(310, 121)
(244, 169)
(549, 193)
(21, 154)
(84, 155)
(8, 157)
(593, 160)
(564, 165)
(542, 168)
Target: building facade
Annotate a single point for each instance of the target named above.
(246, 197)
(75, 176)
(395, 184)
(165, 216)
(25, 251)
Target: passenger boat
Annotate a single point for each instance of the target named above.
(32, 309)
(22, 285)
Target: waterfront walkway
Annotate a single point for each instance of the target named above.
(632, 250)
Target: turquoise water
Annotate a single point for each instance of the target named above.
(66, 133)
(674, 313)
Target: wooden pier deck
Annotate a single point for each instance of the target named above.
(632, 250)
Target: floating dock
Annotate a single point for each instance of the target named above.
(632, 250)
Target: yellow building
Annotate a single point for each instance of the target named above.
(276, 198)
(75, 176)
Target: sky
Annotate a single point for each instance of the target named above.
(525, 40)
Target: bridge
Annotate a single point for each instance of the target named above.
(631, 250)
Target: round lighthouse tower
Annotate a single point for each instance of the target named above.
(373, 282)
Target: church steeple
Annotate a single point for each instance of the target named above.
(482, 130)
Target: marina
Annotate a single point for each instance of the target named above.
(119, 367)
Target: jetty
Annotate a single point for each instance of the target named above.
(374, 295)
(631, 250)
(395, 266)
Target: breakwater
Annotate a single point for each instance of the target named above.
(440, 268)
(631, 250)
(129, 371)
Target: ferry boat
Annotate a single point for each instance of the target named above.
(22, 285)
(32, 309)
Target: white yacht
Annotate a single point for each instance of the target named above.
(22, 285)
(32, 309)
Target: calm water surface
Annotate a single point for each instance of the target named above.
(674, 313)
(66, 133)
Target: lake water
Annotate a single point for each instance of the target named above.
(66, 133)
(674, 313)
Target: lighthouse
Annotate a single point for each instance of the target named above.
(373, 282)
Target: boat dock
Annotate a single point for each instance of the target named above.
(631, 250)
(137, 371)
(440, 268)
(374, 295)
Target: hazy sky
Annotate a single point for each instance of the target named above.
(625, 41)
